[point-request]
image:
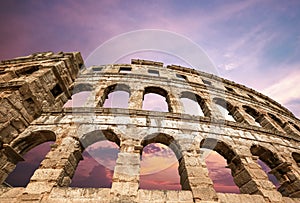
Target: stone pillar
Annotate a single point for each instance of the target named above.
(8, 160)
(251, 179)
(57, 169)
(125, 182)
(99, 95)
(194, 177)
(175, 103)
(267, 123)
(289, 181)
(136, 99)
(214, 111)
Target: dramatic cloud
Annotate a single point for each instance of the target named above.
(220, 175)
(254, 43)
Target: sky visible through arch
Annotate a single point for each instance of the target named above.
(255, 43)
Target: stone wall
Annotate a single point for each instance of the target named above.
(261, 129)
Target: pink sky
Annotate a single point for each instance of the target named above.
(255, 43)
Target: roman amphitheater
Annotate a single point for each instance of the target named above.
(35, 88)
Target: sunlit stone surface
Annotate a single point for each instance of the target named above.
(245, 130)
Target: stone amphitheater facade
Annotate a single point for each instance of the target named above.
(35, 88)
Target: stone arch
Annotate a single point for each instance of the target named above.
(171, 143)
(24, 144)
(163, 139)
(196, 98)
(277, 120)
(233, 160)
(95, 136)
(295, 126)
(159, 91)
(280, 169)
(254, 114)
(296, 157)
(112, 88)
(221, 147)
(228, 107)
(98, 135)
(81, 87)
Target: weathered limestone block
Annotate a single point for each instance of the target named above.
(37, 86)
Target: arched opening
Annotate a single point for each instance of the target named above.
(296, 157)
(97, 167)
(116, 96)
(271, 164)
(82, 87)
(159, 163)
(35, 138)
(277, 120)
(100, 153)
(225, 108)
(78, 100)
(297, 128)
(192, 104)
(156, 99)
(253, 114)
(21, 175)
(33, 148)
(80, 94)
(222, 164)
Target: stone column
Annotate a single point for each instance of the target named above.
(136, 99)
(175, 103)
(57, 169)
(125, 182)
(194, 176)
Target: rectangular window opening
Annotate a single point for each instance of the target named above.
(153, 72)
(56, 90)
(206, 82)
(97, 69)
(229, 89)
(125, 70)
(181, 77)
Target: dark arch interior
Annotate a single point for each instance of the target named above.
(295, 126)
(81, 88)
(296, 157)
(253, 113)
(24, 144)
(277, 120)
